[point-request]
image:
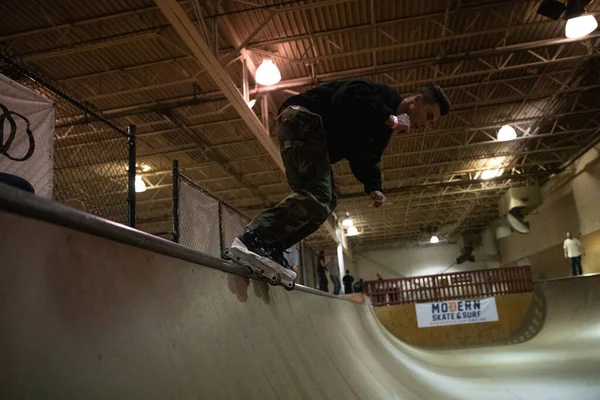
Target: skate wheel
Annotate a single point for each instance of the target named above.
(291, 287)
(275, 280)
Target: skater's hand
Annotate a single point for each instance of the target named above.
(378, 198)
(400, 122)
(403, 123)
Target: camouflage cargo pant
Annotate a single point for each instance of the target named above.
(304, 153)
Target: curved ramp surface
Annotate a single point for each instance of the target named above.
(88, 317)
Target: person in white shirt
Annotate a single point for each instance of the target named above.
(573, 251)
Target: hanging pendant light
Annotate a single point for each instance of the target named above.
(580, 26)
(267, 73)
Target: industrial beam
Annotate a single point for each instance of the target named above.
(213, 155)
(78, 23)
(205, 57)
(299, 82)
(145, 9)
(407, 136)
(454, 183)
(203, 54)
(388, 22)
(195, 147)
(218, 96)
(255, 46)
(461, 55)
(92, 45)
(512, 178)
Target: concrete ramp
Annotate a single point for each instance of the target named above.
(88, 311)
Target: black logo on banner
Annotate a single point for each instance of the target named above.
(11, 117)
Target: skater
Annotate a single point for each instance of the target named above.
(322, 273)
(348, 281)
(573, 251)
(351, 120)
(334, 275)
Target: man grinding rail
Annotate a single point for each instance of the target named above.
(344, 119)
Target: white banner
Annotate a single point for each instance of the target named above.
(26, 133)
(456, 312)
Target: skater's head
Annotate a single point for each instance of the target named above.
(425, 106)
(569, 236)
(347, 272)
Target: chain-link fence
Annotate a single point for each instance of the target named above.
(199, 226)
(200, 221)
(232, 223)
(90, 153)
(205, 224)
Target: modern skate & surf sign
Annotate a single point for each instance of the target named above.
(456, 312)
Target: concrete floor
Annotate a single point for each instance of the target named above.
(83, 317)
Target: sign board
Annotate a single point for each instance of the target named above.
(26, 133)
(456, 312)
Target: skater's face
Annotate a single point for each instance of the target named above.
(568, 235)
(421, 114)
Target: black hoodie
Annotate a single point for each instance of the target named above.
(354, 115)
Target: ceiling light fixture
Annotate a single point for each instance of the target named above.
(490, 173)
(507, 132)
(347, 222)
(352, 231)
(267, 73)
(140, 185)
(579, 24)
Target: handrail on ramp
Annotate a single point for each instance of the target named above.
(26, 204)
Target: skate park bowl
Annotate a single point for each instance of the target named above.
(90, 309)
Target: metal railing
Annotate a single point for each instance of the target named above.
(18, 202)
(458, 285)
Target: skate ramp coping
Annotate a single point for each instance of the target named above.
(92, 309)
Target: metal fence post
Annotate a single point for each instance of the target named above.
(221, 243)
(131, 175)
(301, 263)
(175, 174)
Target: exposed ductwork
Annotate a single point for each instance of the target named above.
(516, 204)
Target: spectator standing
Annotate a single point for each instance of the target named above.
(322, 273)
(573, 251)
(348, 282)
